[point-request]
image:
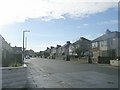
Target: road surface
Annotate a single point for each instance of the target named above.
(46, 73)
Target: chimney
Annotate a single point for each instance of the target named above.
(47, 48)
(9, 44)
(108, 31)
(58, 45)
(68, 42)
(52, 47)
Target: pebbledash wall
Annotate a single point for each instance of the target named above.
(10, 77)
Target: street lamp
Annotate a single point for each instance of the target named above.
(23, 43)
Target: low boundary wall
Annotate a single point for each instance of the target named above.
(115, 62)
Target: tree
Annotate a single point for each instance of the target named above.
(46, 54)
(80, 51)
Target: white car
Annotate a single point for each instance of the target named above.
(27, 57)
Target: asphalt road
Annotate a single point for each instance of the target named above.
(46, 73)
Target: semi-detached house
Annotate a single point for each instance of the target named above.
(107, 45)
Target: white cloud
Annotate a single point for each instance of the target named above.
(108, 22)
(20, 10)
(83, 25)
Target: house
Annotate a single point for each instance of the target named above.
(106, 45)
(65, 48)
(17, 50)
(72, 50)
(48, 50)
(30, 52)
(83, 44)
(58, 50)
(52, 52)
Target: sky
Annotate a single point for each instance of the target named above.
(53, 22)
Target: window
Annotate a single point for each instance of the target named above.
(103, 43)
(104, 53)
(110, 42)
(95, 44)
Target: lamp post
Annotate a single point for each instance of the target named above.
(23, 44)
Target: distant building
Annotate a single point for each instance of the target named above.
(107, 45)
(52, 51)
(58, 50)
(65, 48)
(30, 52)
(48, 50)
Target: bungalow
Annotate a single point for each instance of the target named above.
(106, 45)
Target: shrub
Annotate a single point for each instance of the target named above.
(105, 60)
(12, 60)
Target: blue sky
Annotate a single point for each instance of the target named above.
(60, 25)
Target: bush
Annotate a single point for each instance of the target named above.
(12, 60)
(105, 60)
(46, 54)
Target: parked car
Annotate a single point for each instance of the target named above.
(27, 57)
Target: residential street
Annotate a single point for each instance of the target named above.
(46, 73)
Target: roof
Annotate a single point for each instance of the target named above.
(80, 40)
(107, 36)
(66, 45)
(17, 48)
(2, 37)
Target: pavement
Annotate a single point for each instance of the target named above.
(47, 73)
